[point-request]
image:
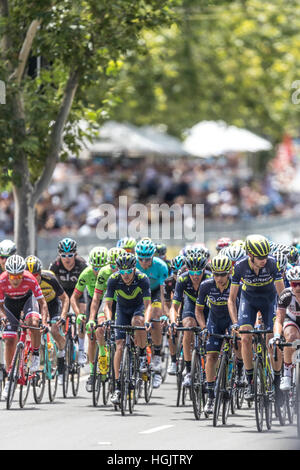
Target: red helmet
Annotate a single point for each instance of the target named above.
(223, 243)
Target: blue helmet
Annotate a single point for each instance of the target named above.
(67, 245)
(145, 248)
(177, 262)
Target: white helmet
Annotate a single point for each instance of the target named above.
(234, 252)
(15, 264)
(293, 274)
(281, 260)
(7, 248)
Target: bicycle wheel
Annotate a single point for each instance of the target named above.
(52, 372)
(259, 394)
(196, 384)
(124, 381)
(165, 357)
(179, 377)
(297, 401)
(269, 398)
(75, 375)
(68, 366)
(14, 376)
(39, 381)
(24, 389)
(219, 390)
(96, 379)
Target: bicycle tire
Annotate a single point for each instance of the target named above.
(52, 372)
(96, 380)
(259, 394)
(269, 399)
(68, 366)
(196, 385)
(220, 385)
(24, 389)
(297, 401)
(39, 381)
(14, 376)
(124, 381)
(75, 378)
(179, 377)
(165, 358)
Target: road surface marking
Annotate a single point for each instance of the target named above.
(160, 428)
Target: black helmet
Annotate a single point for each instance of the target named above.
(195, 261)
(33, 264)
(126, 261)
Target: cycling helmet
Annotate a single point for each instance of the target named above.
(113, 254)
(177, 263)
(293, 274)
(257, 245)
(98, 257)
(238, 243)
(145, 248)
(161, 249)
(127, 243)
(126, 261)
(221, 264)
(234, 252)
(15, 264)
(195, 261)
(281, 260)
(285, 249)
(67, 245)
(222, 243)
(7, 248)
(33, 264)
(293, 255)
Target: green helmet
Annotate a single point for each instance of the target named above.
(113, 254)
(98, 257)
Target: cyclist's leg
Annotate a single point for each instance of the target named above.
(32, 318)
(156, 334)
(291, 332)
(213, 348)
(10, 335)
(81, 332)
(246, 319)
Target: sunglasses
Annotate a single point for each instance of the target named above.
(196, 273)
(294, 283)
(145, 259)
(126, 271)
(4, 257)
(220, 274)
(15, 276)
(261, 257)
(70, 255)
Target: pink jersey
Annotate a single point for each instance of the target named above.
(29, 283)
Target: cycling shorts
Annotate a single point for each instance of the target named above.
(218, 326)
(248, 311)
(13, 308)
(125, 318)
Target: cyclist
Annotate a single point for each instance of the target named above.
(127, 243)
(7, 248)
(67, 267)
(234, 253)
(87, 280)
(223, 242)
(20, 292)
(215, 293)
(177, 264)
(57, 305)
(261, 279)
(133, 302)
(186, 292)
(288, 323)
(161, 252)
(157, 272)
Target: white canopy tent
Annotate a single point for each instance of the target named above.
(210, 138)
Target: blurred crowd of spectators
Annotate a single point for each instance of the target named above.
(226, 187)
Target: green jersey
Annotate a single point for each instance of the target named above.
(87, 279)
(102, 278)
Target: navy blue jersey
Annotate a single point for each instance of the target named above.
(184, 286)
(130, 296)
(259, 286)
(216, 300)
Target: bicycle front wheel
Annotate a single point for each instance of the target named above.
(165, 357)
(196, 384)
(68, 366)
(297, 401)
(125, 382)
(14, 376)
(219, 391)
(39, 381)
(259, 393)
(96, 377)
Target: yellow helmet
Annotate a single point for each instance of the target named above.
(257, 245)
(221, 264)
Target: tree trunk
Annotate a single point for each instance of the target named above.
(24, 220)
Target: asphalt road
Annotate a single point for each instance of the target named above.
(73, 423)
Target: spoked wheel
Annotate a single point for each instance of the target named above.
(75, 378)
(196, 385)
(124, 380)
(165, 358)
(39, 385)
(96, 379)
(14, 376)
(68, 368)
(179, 374)
(259, 394)
(269, 401)
(24, 390)
(219, 392)
(52, 373)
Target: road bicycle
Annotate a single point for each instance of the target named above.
(48, 372)
(264, 393)
(19, 373)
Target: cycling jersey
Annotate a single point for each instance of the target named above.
(185, 292)
(68, 279)
(52, 290)
(102, 278)
(129, 296)
(257, 286)
(216, 300)
(87, 279)
(288, 301)
(169, 287)
(29, 284)
(157, 273)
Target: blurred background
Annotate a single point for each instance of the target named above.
(208, 115)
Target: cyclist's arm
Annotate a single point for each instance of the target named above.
(279, 286)
(108, 309)
(147, 304)
(97, 297)
(199, 312)
(280, 315)
(75, 301)
(174, 311)
(43, 310)
(234, 290)
(65, 305)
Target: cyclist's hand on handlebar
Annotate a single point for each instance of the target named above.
(44, 329)
(275, 339)
(61, 322)
(91, 325)
(235, 327)
(81, 318)
(148, 326)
